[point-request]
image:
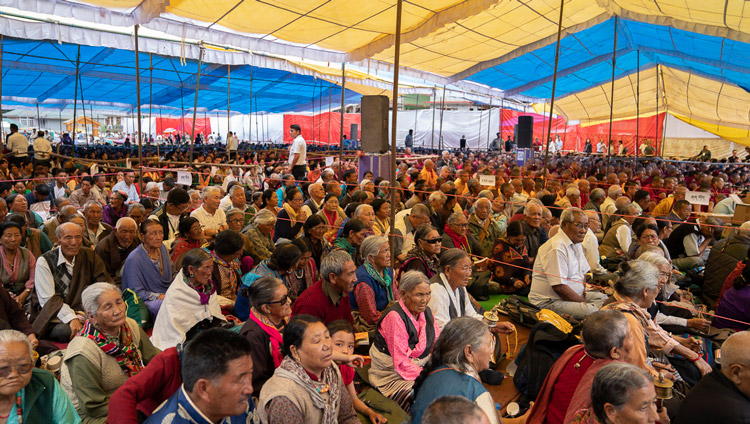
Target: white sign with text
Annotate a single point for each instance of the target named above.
(184, 178)
(487, 180)
(698, 197)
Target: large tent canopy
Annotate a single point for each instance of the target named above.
(692, 54)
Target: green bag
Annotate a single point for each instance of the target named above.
(137, 310)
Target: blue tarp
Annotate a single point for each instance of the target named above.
(43, 72)
(586, 59)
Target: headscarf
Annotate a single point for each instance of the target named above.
(125, 352)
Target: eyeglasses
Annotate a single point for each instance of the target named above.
(281, 301)
(580, 226)
(432, 241)
(462, 225)
(22, 369)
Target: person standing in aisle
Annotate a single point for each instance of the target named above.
(298, 153)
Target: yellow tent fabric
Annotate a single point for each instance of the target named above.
(737, 135)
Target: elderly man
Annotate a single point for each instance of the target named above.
(407, 223)
(532, 222)
(83, 195)
(483, 227)
(236, 199)
(114, 248)
(420, 194)
(723, 396)
(608, 206)
(100, 189)
(437, 201)
(315, 202)
(642, 199)
(428, 174)
(127, 185)
(212, 218)
(591, 248)
(616, 241)
(666, 206)
(571, 199)
(507, 192)
(596, 199)
(558, 282)
(171, 213)
(62, 217)
(328, 299)
(688, 242)
(61, 275)
(680, 212)
(95, 228)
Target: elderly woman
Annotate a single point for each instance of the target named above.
(33, 239)
(647, 235)
(635, 292)
(281, 264)
(375, 288)
(307, 386)
(137, 212)
(189, 236)
(621, 393)
(352, 236)
(18, 204)
(333, 215)
(291, 218)
(314, 230)
(403, 340)
(116, 208)
(152, 193)
(226, 251)
(259, 232)
(382, 210)
(109, 349)
(190, 304)
(29, 395)
(18, 264)
(423, 257)
(511, 268)
(269, 314)
(462, 351)
(147, 269)
(456, 235)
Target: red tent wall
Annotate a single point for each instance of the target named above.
(315, 128)
(202, 125)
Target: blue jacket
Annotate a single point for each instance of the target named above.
(444, 381)
(178, 407)
(381, 295)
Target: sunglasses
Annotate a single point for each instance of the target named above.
(22, 369)
(282, 301)
(432, 241)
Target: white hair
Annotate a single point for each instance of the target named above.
(15, 336)
(90, 296)
(364, 183)
(125, 220)
(208, 189)
(572, 191)
(745, 229)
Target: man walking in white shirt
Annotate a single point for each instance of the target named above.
(298, 153)
(18, 145)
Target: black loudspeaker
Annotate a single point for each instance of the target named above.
(354, 132)
(374, 124)
(524, 140)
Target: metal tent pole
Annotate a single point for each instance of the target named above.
(2, 132)
(341, 134)
(432, 136)
(229, 76)
(394, 118)
(656, 127)
(138, 106)
(666, 112)
(502, 118)
(442, 110)
(489, 124)
(479, 132)
(195, 104)
(612, 95)
(38, 120)
(150, 95)
(328, 135)
(637, 103)
(554, 86)
(250, 118)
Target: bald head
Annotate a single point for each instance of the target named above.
(621, 203)
(735, 360)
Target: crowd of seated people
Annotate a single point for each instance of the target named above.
(254, 279)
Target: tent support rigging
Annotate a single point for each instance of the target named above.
(229, 72)
(195, 104)
(554, 85)
(250, 118)
(637, 103)
(489, 124)
(138, 105)
(394, 118)
(612, 95)
(2, 132)
(83, 107)
(341, 135)
(479, 132)
(150, 95)
(330, 90)
(502, 118)
(656, 127)
(440, 133)
(432, 134)
(75, 101)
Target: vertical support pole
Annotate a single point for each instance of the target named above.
(554, 86)
(637, 103)
(660, 74)
(479, 132)
(2, 133)
(75, 101)
(489, 124)
(195, 104)
(432, 137)
(150, 96)
(328, 135)
(138, 115)
(83, 107)
(394, 127)
(502, 118)
(416, 118)
(229, 76)
(341, 134)
(38, 120)
(250, 118)
(440, 133)
(612, 95)
(656, 127)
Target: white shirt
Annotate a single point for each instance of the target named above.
(59, 191)
(624, 237)
(600, 147)
(18, 144)
(298, 146)
(42, 148)
(208, 221)
(44, 285)
(607, 208)
(559, 261)
(591, 251)
(130, 190)
(443, 296)
(307, 209)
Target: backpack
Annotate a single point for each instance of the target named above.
(546, 344)
(520, 310)
(137, 310)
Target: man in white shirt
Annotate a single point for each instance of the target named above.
(212, 218)
(608, 207)
(42, 149)
(558, 281)
(128, 187)
(591, 248)
(18, 144)
(298, 153)
(600, 147)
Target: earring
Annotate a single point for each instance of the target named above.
(191, 275)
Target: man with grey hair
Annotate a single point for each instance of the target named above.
(407, 222)
(722, 259)
(60, 277)
(619, 236)
(51, 224)
(454, 410)
(591, 248)
(95, 228)
(212, 218)
(596, 199)
(315, 202)
(558, 281)
(608, 206)
(723, 396)
(532, 222)
(571, 199)
(483, 227)
(328, 299)
(115, 247)
(127, 185)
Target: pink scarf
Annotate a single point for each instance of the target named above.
(461, 242)
(273, 334)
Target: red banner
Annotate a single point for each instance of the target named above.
(324, 128)
(167, 126)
